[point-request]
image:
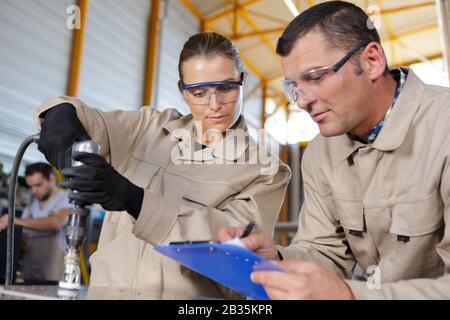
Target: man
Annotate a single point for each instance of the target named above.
(376, 179)
(43, 221)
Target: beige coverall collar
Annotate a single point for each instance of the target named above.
(229, 148)
(396, 126)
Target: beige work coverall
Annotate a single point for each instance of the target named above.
(385, 206)
(188, 195)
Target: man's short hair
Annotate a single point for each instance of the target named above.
(39, 167)
(343, 24)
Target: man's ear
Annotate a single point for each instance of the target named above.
(52, 179)
(375, 60)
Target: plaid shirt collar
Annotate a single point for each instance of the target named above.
(396, 128)
(400, 76)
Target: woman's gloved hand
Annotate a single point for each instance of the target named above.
(59, 130)
(97, 182)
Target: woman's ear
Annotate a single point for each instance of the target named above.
(244, 78)
(182, 93)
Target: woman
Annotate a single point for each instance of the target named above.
(178, 177)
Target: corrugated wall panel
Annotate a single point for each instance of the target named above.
(34, 62)
(113, 66)
(35, 59)
(177, 25)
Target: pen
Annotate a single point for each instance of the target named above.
(248, 229)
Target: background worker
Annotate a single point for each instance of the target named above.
(43, 221)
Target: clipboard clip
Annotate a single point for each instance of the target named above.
(192, 242)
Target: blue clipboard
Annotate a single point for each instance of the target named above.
(227, 264)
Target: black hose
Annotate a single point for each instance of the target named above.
(12, 207)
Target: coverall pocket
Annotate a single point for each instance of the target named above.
(350, 214)
(416, 229)
(208, 194)
(417, 217)
(143, 173)
(114, 264)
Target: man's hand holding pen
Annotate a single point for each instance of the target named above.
(259, 243)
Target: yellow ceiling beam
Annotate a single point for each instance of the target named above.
(228, 11)
(427, 27)
(263, 105)
(253, 92)
(275, 95)
(253, 68)
(267, 17)
(403, 8)
(255, 27)
(260, 32)
(209, 27)
(77, 51)
(404, 63)
(241, 10)
(407, 63)
(250, 45)
(394, 55)
(310, 3)
(229, 16)
(152, 53)
(280, 103)
(399, 35)
(303, 144)
(236, 18)
(190, 6)
(299, 5)
(251, 123)
(279, 76)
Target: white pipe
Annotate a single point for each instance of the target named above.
(291, 6)
(443, 13)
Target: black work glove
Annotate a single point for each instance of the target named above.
(59, 130)
(97, 182)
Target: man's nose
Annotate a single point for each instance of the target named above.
(305, 102)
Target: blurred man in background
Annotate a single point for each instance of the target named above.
(43, 221)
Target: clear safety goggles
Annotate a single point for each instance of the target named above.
(225, 91)
(292, 91)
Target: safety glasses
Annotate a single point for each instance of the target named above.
(292, 91)
(200, 93)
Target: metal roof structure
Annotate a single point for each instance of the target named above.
(409, 30)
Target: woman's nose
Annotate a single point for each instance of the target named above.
(214, 104)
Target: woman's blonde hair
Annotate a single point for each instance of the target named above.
(209, 44)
